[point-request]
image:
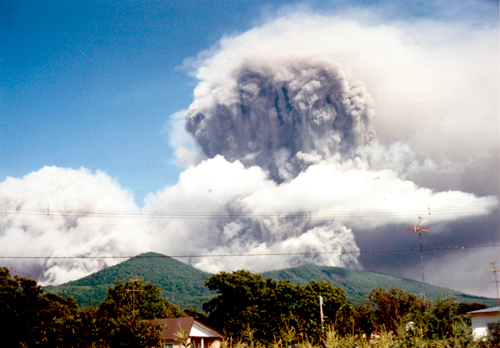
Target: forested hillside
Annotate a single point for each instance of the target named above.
(183, 285)
(180, 284)
(358, 284)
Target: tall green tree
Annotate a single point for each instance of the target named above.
(337, 310)
(248, 302)
(439, 318)
(139, 299)
(121, 318)
(386, 309)
(239, 302)
(30, 318)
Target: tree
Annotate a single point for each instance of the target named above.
(238, 303)
(31, 318)
(386, 309)
(138, 298)
(121, 318)
(440, 318)
(337, 310)
(193, 312)
(247, 302)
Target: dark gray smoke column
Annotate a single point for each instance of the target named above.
(283, 116)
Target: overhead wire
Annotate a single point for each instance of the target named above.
(263, 215)
(253, 255)
(233, 215)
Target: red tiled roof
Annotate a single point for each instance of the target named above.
(174, 325)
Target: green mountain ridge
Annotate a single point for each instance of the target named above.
(183, 285)
(358, 283)
(180, 283)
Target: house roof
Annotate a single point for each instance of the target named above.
(187, 324)
(486, 311)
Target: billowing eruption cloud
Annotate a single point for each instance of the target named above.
(304, 121)
(285, 155)
(52, 214)
(279, 114)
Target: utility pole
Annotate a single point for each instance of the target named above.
(321, 310)
(133, 291)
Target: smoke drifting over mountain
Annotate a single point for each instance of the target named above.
(32, 230)
(300, 129)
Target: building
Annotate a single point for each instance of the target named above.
(195, 333)
(484, 321)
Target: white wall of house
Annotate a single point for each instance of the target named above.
(480, 324)
(200, 331)
(203, 336)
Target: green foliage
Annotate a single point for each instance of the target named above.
(493, 339)
(193, 312)
(237, 304)
(439, 318)
(247, 302)
(121, 318)
(183, 285)
(254, 311)
(392, 309)
(386, 309)
(464, 308)
(357, 284)
(138, 298)
(30, 318)
(401, 338)
(179, 283)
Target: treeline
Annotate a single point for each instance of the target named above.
(250, 310)
(30, 318)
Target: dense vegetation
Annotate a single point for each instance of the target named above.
(250, 310)
(253, 311)
(183, 285)
(247, 301)
(30, 318)
(402, 338)
(179, 283)
(357, 284)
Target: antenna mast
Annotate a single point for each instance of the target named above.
(419, 228)
(496, 280)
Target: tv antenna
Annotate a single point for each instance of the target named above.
(496, 281)
(133, 291)
(419, 228)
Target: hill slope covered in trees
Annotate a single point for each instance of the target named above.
(357, 283)
(183, 285)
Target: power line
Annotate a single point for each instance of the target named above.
(253, 255)
(260, 215)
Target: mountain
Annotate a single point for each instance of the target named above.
(183, 285)
(357, 283)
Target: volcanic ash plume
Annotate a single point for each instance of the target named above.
(294, 138)
(282, 116)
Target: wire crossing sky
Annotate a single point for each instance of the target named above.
(308, 129)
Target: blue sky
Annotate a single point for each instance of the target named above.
(94, 84)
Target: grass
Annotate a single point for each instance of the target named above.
(461, 337)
